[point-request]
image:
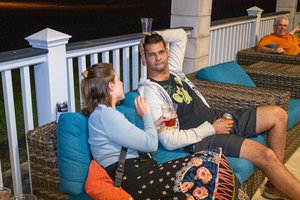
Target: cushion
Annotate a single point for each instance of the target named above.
(271, 46)
(163, 155)
(73, 152)
(129, 102)
(129, 98)
(99, 185)
(294, 112)
(217, 180)
(244, 168)
(228, 72)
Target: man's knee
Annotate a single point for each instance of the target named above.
(281, 114)
(274, 112)
(266, 156)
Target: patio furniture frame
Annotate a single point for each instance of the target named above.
(250, 56)
(278, 76)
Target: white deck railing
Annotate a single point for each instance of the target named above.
(121, 51)
(55, 63)
(229, 36)
(124, 56)
(6, 68)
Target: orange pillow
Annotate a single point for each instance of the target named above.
(99, 185)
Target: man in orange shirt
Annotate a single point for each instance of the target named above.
(280, 41)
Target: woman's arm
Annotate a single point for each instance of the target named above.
(126, 134)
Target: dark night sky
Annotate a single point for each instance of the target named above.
(83, 19)
(91, 19)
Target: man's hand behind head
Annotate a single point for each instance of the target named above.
(142, 50)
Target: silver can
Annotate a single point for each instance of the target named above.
(227, 116)
(61, 107)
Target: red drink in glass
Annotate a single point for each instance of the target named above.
(171, 122)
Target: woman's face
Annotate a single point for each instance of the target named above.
(117, 89)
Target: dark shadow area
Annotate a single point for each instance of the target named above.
(83, 20)
(236, 8)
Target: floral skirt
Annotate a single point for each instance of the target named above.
(202, 175)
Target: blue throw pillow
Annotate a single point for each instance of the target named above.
(131, 114)
(228, 72)
(73, 152)
(294, 112)
(129, 99)
(271, 46)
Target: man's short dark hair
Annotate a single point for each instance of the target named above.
(154, 39)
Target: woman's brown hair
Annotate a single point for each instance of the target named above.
(94, 86)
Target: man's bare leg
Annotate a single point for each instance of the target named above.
(274, 119)
(265, 159)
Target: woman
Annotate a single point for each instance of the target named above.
(109, 130)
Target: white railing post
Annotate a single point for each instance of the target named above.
(51, 76)
(255, 11)
(196, 14)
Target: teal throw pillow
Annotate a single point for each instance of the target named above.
(294, 112)
(271, 46)
(228, 72)
(131, 114)
(73, 152)
(129, 99)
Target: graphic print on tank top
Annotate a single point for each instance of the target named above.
(191, 110)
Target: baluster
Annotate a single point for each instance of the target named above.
(81, 68)
(94, 58)
(126, 72)
(135, 67)
(71, 89)
(1, 176)
(12, 131)
(105, 57)
(116, 60)
(27, 110)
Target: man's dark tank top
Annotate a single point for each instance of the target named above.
(191, 110)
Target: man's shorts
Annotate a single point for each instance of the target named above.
(244, 127)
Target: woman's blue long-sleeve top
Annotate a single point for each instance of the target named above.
(109, 130)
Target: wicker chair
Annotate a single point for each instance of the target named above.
(250, 56)
(42, 140)
(276, 76)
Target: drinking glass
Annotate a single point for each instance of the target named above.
(169, 111)
(4, 193)
(146, 25)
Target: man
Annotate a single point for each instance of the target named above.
(280, 41)
(200, 128)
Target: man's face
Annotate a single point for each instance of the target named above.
(156, 58)
(281, 28)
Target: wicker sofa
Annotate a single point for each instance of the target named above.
(250, 56)
(42, 141)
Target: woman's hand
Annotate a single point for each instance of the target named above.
(222, 127)
(141, 106)
(160, 123)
